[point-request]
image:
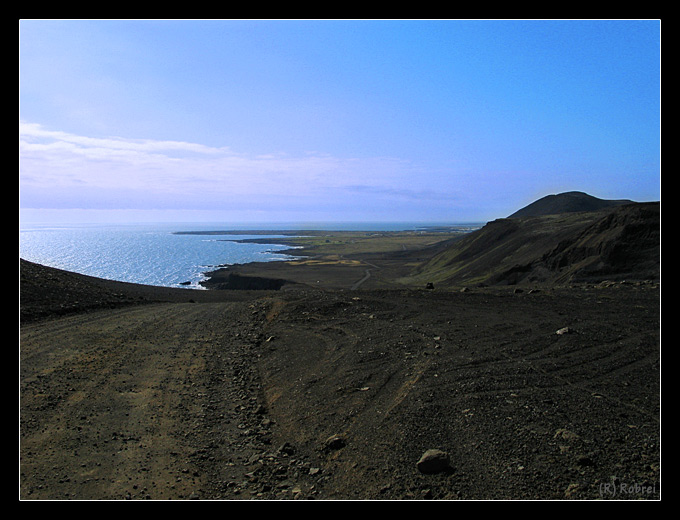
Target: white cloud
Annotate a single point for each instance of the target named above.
(63, 161)
(33, 132)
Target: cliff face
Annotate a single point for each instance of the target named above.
(619, 242)
(624, 244)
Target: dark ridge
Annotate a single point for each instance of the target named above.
(46, 292)
(237, 282)
(569, 202)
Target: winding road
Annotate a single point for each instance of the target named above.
(366, 276)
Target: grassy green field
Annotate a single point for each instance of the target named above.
(361, 242)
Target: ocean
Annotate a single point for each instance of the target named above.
(141, 253)
(153, 254)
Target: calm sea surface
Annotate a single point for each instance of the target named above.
(145, 253)
(153, 254)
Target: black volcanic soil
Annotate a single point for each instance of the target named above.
(132, 392)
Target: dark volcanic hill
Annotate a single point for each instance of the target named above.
(619, 242)
(569, 202)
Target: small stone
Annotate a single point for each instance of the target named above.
(287, 449)
(566, 435)
(564, 330)
(572, 490)
(433, 461)
(584, 460)
(335, 442)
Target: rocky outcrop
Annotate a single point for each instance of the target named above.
(619, 243)
(233, 281)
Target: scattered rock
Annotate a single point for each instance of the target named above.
(433, 461)
(335, 442)
(564, 330)
(566, 435)
(584, 460)
(572, 490)
(287, 448)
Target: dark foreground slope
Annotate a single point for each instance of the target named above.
(234, 394)
(46, 293)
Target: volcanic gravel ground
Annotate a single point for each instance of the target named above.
(314, 394)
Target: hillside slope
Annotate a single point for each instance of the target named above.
(336, 395)
(619, 242)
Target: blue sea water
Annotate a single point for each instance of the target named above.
(151, 254)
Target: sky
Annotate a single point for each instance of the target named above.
(333, 120)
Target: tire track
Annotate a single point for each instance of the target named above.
(107, 397)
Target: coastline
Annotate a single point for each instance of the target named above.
(333, 259)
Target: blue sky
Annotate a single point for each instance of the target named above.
(333, 120)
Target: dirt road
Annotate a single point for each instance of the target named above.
(116, 404)
(238, 399)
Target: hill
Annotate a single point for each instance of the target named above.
(619, 242)
(568, 202)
